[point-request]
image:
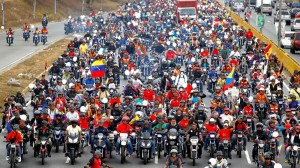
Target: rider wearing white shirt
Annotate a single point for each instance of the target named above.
(72, 114)
(226, 116)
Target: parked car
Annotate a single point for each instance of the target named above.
(295, 42)
(286, 39)
(285, 15)
(296, 25)
(294, 11)
(283, 6)
(252, 3)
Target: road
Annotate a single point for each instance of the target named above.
(20, 50)
(269, 30)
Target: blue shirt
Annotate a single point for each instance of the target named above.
(213, 74)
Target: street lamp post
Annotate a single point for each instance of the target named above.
(34, 8)
(2, 7)
(82, 7)
(54, 7)
(279, 24)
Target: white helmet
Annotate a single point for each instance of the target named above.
(212, 120)
(82, 109)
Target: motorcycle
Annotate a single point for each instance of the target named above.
(239, 142)
(273, 144)
(145, 148)
(44, 22)
(83, 141)
(111, 139)
(26, 35)
(13, 160)
(213, 82)
(123, 137)
(73, 147)
(198, 83)
(214, 61)
(249, 126)
(100, 144)
(293, 155)
(36, 39)
(10, 40)
(225, 147)
(172, 139)
(260, 112)
(43, 149)
(261, 150)
(212, 144)
(159, 142)
(213, 163)
(194, 148)
(58, 138)
(44, 39)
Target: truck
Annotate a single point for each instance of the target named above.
(266, 7)
(187, 8)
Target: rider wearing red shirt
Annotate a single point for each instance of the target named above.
(114, 100)
(124, 127)
(149, 94)
(175, 102)
(244, 82)
(248, 109)
(205, 53)
(215, 51)
(184, 122)
(249, 34)
(233, 62)
(170, 54)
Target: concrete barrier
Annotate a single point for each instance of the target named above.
(289, 63)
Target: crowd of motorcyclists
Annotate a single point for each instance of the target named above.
(152, 98)
(38, 35)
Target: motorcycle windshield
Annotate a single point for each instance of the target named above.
(73, 135)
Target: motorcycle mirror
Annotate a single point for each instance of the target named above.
(194, 85)
(275, 134)
(82, 109)
(68, 64)
(104, 100)
(213, 161)
(193, 59)
(173, 77)
(2, 27)
(32, 26)
(23, 117)
(126, 72)
(70, 17)
(75, 59)
(64, 81)
(277, 165)
(71, 84)
(31, 86)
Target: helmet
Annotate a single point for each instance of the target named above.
(44, 123)
(97, 152)
(58, 114)
(173, 151)
(259, 124)
(267, 155)
(160, 117)
(16, 126)
(125, 118)
(212, 120)
(139, 113)
(73, 121)
(219, 153)
(37, 112)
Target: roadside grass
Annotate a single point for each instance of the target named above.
(18, 12)
(34, 65)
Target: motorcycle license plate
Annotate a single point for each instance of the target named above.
(249, 120)
(9, 36)
(280, 102)
(13, 146)
(240, 135)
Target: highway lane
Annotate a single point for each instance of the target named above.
(20, 50)
(269, 30)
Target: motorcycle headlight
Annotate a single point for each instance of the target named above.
(172, 137)
(43, 142)
(149, 144)
(295, 148)
(143, 144)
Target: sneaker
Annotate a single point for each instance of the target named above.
(287, 161)
(7, 157)
(68, 160)
(19, 159)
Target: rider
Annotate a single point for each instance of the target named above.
(96, 162)
(194, 131)
(220, 161)
(44, 31)
(26, 27)
(43, 131)
(10, 32)
(260, 134)
(293, 138)
(104, 131)
(210, 127)
(239, 125)
(225, 133)
(173, 159)
(36, 32)
(14, 137)
(74, 129)
(124, 127)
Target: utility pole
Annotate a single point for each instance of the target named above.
(54, 7)
(82, 7)
(279, 24)
(34, 8)
(101, 2)
(2, 7)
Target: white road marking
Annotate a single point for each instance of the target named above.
(248, 157)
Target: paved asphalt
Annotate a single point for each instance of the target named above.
(21, 49)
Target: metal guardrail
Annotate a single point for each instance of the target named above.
(289, 63)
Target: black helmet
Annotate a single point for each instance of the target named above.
(219, 153)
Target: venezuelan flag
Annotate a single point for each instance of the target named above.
(98, 69)
(229, 83)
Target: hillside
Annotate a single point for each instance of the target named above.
(17, 12)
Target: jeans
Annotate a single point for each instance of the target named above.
(106, 143)
(152, 146)
(129, 146)
(17, 148)
(234, 141)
